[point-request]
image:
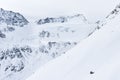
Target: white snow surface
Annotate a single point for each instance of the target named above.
(99, 53)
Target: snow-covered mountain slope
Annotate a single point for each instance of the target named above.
(27, 48)
(12, 18)
(114, 13)
(61, 19)
(94, 58)
(55, 31)
(9, 21)
(24, 49)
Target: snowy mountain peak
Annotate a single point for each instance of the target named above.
(113, 14)
(12, 18)
(115, 11)
(61, 19)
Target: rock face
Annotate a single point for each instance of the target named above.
(2, 35)
(44, 34)
(52, 20)
(59, 19)
(8, 21)
(114, 12)
(12, 18)
(15, 56)
(16, 59)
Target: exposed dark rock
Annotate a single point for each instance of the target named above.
(26, 49)
(52, 20)
(91, 72)
(10, 54)
(14, 52)
(10, 29)
(1, 57)
(57, 20)
(2, 35)
(44, 34)
(17, 52)
(18, 67)
(12, 18)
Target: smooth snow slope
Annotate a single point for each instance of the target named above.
(99, 53)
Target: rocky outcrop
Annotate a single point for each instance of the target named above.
(12, 18)
(15, 60)
(2, 35)
(61, 19)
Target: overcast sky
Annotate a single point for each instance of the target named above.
(92, 9)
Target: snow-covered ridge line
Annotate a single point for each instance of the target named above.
(114, 13)
(61, 19)
(12, 18)
(9, 20)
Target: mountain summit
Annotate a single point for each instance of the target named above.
(12, 18)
